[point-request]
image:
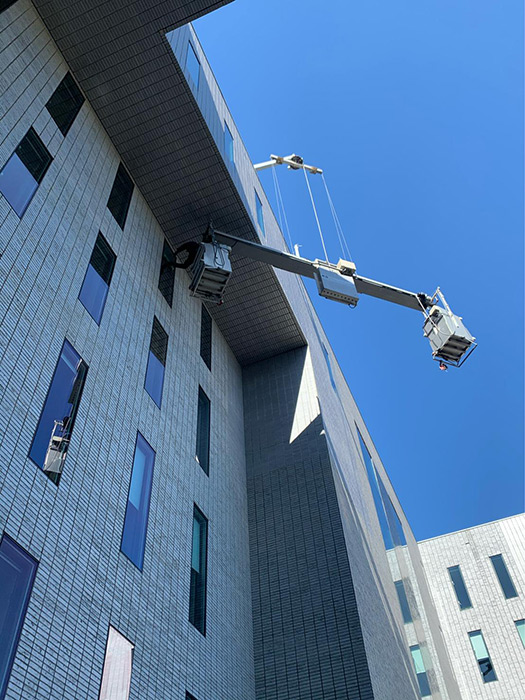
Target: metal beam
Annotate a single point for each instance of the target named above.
(264, 254)
(393, 294)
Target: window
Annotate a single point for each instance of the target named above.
(158, 349)
(374, 486)
(65, 103)
(459, 587)
(55, 426)
(259, 209)
(24, 171)
(167, 273)
(396, 528)
(199, 547)
(206, 325)
(419, 665)
(482, 656)
(202, 450)
(329, 365)
(120, 196)
(403, 601)
(503, 575)
(520, 626)
(116, 675)
(98, 278)
(193, 66)
(17, 573)
(137, 509)
(228, 143)
(4, 4)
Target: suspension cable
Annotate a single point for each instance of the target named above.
(315, 213)
(281, 207)
(340, 233)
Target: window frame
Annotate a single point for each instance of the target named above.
(132, 650)
(191, 51)
(259, 212)
(422, 676)
(520, 625)
(206, 332)
(10, 657)
(67, 83)
(228, 144)
(403, 602)
(107, 283)
(488, 658)
(204, 464)
(36, 143)
(203, 561)
(125, 180)
(147, 504)
(457, 569)
(163, 266)
(375, 489)
(74, 412)
(503, 572)
(151, 368)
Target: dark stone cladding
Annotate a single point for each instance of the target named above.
(119, 55)
(308, 640)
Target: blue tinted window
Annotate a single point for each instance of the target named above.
(329, 365)
(98, 278)
(482, 657)
(403, 602)
(156, 362)
(228, 143)
(24, 171)
(137, 509)
(193, 66)
(374, 486)
(198, 571)
(53, 433)
(17, 573)
(259, 209)
(520, 626)
(202, 450)
(419, 665)
(394, 523)
(503, 576)
(459, 587)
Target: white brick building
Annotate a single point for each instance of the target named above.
(482, 603)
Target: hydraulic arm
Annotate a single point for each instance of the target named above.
(210, 268)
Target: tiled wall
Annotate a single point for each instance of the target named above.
(490, 612)
(83, 582)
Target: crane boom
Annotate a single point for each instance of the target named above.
(309, 268)
(210, 269)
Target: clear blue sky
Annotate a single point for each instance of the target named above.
(415, 112)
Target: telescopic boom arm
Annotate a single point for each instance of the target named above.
(210, 268)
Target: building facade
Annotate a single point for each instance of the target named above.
(190, 503)
(477, 580)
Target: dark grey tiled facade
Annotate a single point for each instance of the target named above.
(299, 559)
(301, 601)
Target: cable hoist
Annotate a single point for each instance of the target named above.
(209, 265)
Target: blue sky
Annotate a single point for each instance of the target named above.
(415, 112)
